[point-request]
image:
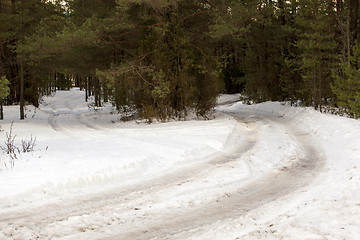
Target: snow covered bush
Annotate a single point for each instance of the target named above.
(9, 142)
(28, 145)
(12, 151)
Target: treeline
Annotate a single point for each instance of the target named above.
(168, 58)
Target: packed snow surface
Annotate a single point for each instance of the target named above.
(264, 171)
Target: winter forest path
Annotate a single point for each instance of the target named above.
(173, 205)
(272, 187)
(66, 111)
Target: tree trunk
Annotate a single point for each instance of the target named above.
(356, 18)
(1, 50)
(89, 86)
(97, 92)
(348, 40)
(354, 15)
(1, 110)
(22, 100)
(282, 12)
(1, 46)
(1, 65)
(105, 93)
(86, 88)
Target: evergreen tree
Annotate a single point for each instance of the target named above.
(254, 31)
(168, 73)
(163, 58)
(317, 55)
(20, 20)
(346, 86)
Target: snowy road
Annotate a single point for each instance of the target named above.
(143, 211)
(235, 203)
(253, 187)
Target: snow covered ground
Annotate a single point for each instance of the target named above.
(266, 171)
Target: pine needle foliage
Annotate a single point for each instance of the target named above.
(346, 86)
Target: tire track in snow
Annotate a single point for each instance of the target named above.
(41, 217)
(62, 108)
(267, 189)
(78, 116)
(160, 225)
(51, 120)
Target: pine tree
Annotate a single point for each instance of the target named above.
(254, 30)
(19, 21)
(317, 54)
(346, 86)
(168, 72)
(163, 58)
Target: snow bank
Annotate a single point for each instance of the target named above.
(74, 151)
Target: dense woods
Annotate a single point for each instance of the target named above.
(164, 59)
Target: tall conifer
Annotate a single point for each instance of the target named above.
(317, 50)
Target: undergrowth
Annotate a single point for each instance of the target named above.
(12, 151)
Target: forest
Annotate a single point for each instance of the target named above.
(166, 58)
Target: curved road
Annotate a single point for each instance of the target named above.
(143, 211)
